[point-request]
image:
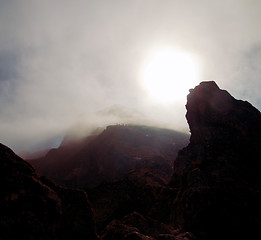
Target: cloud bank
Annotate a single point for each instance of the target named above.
(61, 62)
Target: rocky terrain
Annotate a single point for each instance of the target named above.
(217, 176)
(122, 169)
(32, 207)
(213, 191)
(139, 152)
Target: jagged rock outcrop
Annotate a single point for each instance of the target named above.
(32, 207)
(118, 230)
(136, 226)
(217, 178)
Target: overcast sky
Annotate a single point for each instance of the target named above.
(74, 63)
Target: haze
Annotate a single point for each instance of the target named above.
(77, 64)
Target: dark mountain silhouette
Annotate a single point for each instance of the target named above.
(139, 152)
(32, 207)
(122, 169)
(213, 191)
(216, 182)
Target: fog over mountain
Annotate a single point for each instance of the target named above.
(64, 64)
(138, 182)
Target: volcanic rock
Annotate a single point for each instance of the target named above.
(139, 152)
(122, 169)
(32, 207)
(114, 200)
(217, 176)
(117, 230)
(136, 226)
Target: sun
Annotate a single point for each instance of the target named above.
(169, 74)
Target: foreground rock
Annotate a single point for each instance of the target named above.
(33, 207)
(214, 193)
(118, 199)
(137, 227)
(217, 180)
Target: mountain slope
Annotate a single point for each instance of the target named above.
(32, 207)
(122, 150)
(215, 190)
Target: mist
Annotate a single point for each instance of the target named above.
(77, 64)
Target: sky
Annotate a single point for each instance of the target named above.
(77, 64)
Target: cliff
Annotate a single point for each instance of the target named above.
(217, 177)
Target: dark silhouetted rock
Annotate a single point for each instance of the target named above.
(122, 169)
(117, 199)
(32, 207)
(117, 230)
(146, 225)
(217, 176)
(137, 226)
(214, 192)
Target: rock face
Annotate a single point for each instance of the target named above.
(136, 226)
(33, 207)
(122, 168)
(217, 178)
(141, 152)
(118, 199)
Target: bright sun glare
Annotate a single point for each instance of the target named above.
(169, 74)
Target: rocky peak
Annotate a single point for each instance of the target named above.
(221, 126)
(210, 109)
(217, 176)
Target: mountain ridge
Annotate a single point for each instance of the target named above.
(111, 154)
(214, 190)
